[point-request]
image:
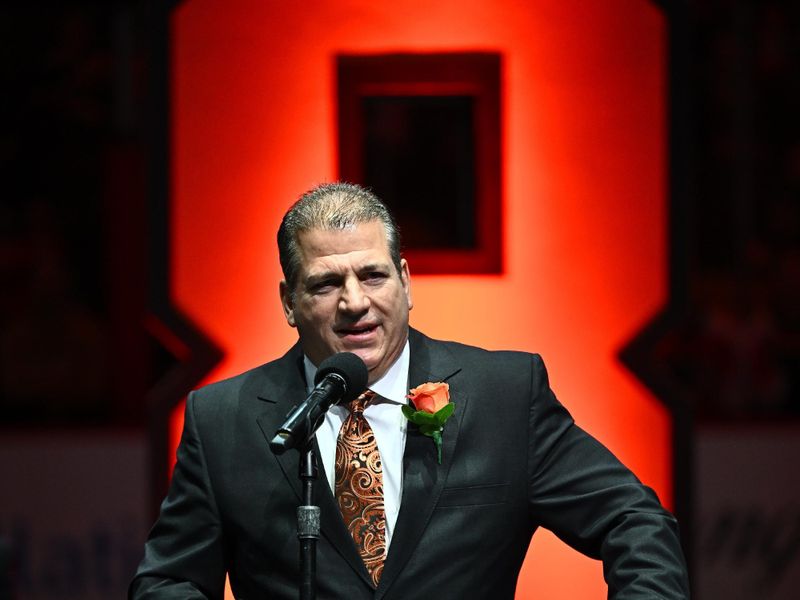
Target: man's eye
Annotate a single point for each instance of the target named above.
(322, 287)
(375, 276)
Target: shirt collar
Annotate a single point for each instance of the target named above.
(393, 385)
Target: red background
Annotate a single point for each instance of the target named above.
(584, 185)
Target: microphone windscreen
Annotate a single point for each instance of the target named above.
(350, 368)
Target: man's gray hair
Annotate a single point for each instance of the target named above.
(332, 206)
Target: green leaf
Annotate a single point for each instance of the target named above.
(420, 417)
(428, 419)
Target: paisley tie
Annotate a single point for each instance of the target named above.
(359, 486)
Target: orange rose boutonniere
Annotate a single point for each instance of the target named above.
(433, 408)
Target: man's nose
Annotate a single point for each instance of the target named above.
(353, 298)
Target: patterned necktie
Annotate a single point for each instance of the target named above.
(359, 486)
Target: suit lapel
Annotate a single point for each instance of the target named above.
(280, 394)
(423, 477)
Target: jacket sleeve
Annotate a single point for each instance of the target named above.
(590, 500)
(184, 556)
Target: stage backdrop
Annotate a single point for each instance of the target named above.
(583, 181)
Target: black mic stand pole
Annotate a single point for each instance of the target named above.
(336, 374)
(308, 523)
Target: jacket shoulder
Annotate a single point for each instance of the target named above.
(251, 383)
(468, 352)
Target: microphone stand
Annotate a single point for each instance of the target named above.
(308, 523)
(335, 376)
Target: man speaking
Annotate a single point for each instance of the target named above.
(436, 475)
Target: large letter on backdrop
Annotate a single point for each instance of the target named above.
(583, 180)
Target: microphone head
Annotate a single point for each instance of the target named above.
(349, 367)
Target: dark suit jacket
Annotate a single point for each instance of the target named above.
(512, 460)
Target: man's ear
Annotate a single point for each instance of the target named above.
(405, 278)
(288, 304)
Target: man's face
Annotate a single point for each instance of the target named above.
(349, 296)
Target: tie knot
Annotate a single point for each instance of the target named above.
(358, 405)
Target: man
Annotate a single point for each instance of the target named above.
(511, 457)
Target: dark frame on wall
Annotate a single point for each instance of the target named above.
(443, 159)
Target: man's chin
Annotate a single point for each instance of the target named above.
(367, 356)
(370, 360)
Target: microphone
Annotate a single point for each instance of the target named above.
(340, 378)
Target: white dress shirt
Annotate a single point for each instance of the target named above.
(386, 419)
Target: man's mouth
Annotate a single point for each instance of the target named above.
(360, 330)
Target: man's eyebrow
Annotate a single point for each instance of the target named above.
(321, 276)
(373, 267)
